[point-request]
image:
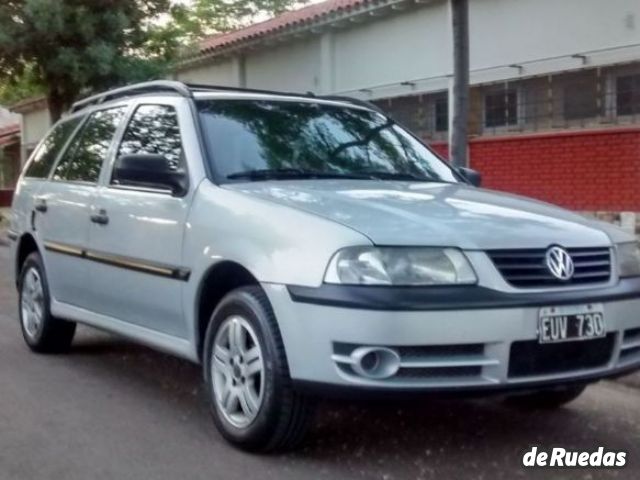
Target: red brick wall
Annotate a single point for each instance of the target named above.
(440, 148)
(582, 170)
(5, 198)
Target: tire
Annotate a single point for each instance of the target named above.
(272, 416)
(546, 399)
(42, 332)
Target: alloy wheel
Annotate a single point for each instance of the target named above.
(237, 371)
(32, 303)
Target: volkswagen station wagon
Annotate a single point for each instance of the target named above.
(298, 246)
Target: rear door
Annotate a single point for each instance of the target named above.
(136, 272)
(28, 207)
(64, 206)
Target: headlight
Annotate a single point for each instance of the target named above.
(629, 259)
(400, 266)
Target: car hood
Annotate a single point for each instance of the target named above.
(436, 214)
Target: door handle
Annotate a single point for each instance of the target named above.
(41, 205)
(101, 218)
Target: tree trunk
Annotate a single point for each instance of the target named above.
(460, 26)
(58, 103)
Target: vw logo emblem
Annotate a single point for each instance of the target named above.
(560, 263)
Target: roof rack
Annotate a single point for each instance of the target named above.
(353, 101)
(218, 88)
(339, 98)
(136, 89)
(186, 90)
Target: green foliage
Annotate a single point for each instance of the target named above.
(71, 48)
(23, 86)
(193, 19)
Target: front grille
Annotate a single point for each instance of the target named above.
(527, 268)
(632, 336)
(630, 347)
(532, 358)
(440, 351)
(440, 372)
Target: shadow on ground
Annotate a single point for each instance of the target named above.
(418, 437)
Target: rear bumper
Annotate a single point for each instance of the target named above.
(453, 350)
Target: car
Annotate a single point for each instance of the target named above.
(301, 246)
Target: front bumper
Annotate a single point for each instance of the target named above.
(478, 347)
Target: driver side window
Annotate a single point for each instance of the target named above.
(154, 129)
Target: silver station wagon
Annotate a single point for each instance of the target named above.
(298, 246)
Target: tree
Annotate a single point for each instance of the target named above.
(195, 19)
(460, 27)
(25, 85)
(71, 48)
(75, 46)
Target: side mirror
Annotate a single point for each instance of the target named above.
(470, 175)
(150, 171)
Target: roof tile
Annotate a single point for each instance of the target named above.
(288, 19)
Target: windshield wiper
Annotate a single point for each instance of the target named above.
(410, 177)
(302, 174)
(266, 173)
(290, 173)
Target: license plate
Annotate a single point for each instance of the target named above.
(570, 323)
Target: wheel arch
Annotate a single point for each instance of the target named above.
(26, 245)
(217, 281)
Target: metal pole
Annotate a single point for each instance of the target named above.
(460, 27)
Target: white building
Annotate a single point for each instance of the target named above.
(555, 99)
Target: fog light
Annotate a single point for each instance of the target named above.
(375, 362)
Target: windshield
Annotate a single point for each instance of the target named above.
(271, 139)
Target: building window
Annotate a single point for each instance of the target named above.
(579, 103)
(578, 92)
(426, 115)
(501, 108)
(628, 95)
(586, 98)
(441, 112)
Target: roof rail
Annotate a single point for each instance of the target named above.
(220, 88)
(136, 89)
(339, 98)
(353, 101)
(187, 89)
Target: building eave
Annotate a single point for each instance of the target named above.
(358, 12)
(30, 104)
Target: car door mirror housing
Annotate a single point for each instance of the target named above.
(150, 171)
(470, 175)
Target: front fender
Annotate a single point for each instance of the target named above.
(275, 243)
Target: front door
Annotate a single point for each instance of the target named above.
(136, 270)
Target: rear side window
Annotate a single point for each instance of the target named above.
(154, 129)
(83, 159)
(46, 154)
